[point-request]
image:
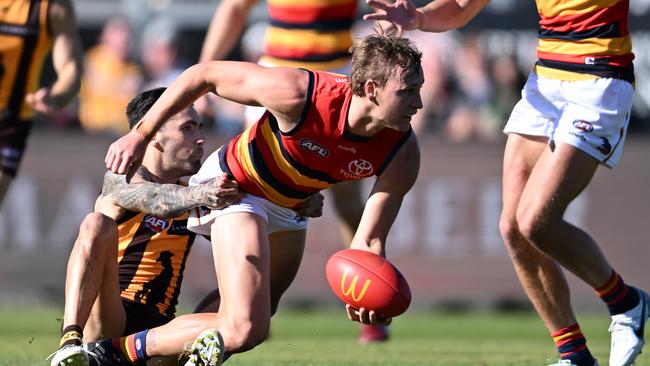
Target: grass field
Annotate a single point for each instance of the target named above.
(326, 338)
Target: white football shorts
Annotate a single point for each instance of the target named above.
(591, 115)
(278, 218)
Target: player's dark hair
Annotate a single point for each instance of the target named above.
(140, 105)
(375, 57)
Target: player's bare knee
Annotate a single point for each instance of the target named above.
(535, 229)
(97, 229)
(508, 229)
(246, 335)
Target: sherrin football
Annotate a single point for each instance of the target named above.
(365, 280)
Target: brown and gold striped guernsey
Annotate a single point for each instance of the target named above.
(24, 44)
(152, 254)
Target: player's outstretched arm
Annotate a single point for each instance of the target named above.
(280, 90)
(67, 59)
(386, 197)
(225, 28)
(168, 200)
(437, 16)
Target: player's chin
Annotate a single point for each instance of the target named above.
(403, 125)
(193, 167)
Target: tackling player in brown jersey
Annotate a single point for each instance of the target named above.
(126, 267)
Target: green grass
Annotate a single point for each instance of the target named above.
(327, 338)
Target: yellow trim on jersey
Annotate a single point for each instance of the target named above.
(308, 40)
(308, 3)
(337, 64)
(246, 163)
(557, 74)
(589, 47)
(554, 8)
(284, 165)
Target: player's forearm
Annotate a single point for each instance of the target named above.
(166, 200)
(378, 216)
(225, 29)
(67, 84)
(444, 15)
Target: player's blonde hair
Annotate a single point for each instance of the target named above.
(376, 57)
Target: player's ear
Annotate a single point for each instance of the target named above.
(155, 141)
(370, 89)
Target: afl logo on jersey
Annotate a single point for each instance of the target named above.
(360, 168)
(583, 125)
(314, 147)
(155, 223)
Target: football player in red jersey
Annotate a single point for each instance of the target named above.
(307, 34)
(319, 129)
(572, 118)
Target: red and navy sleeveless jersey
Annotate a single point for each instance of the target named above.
(584, 37)
(287, 167)
(24, 45)
(313, 34)
(151, 255)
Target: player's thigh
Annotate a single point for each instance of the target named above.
(558, 177)
(520, 155)
(242, 260)
(13, 142)
(287, 248)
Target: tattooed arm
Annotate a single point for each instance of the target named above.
(167, 200)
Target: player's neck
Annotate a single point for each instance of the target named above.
(360, 119)
(151, 175)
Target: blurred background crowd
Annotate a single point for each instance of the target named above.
(473, 77)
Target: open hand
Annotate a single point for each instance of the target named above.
(125, 155)
(365, 316)
(393, 18)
